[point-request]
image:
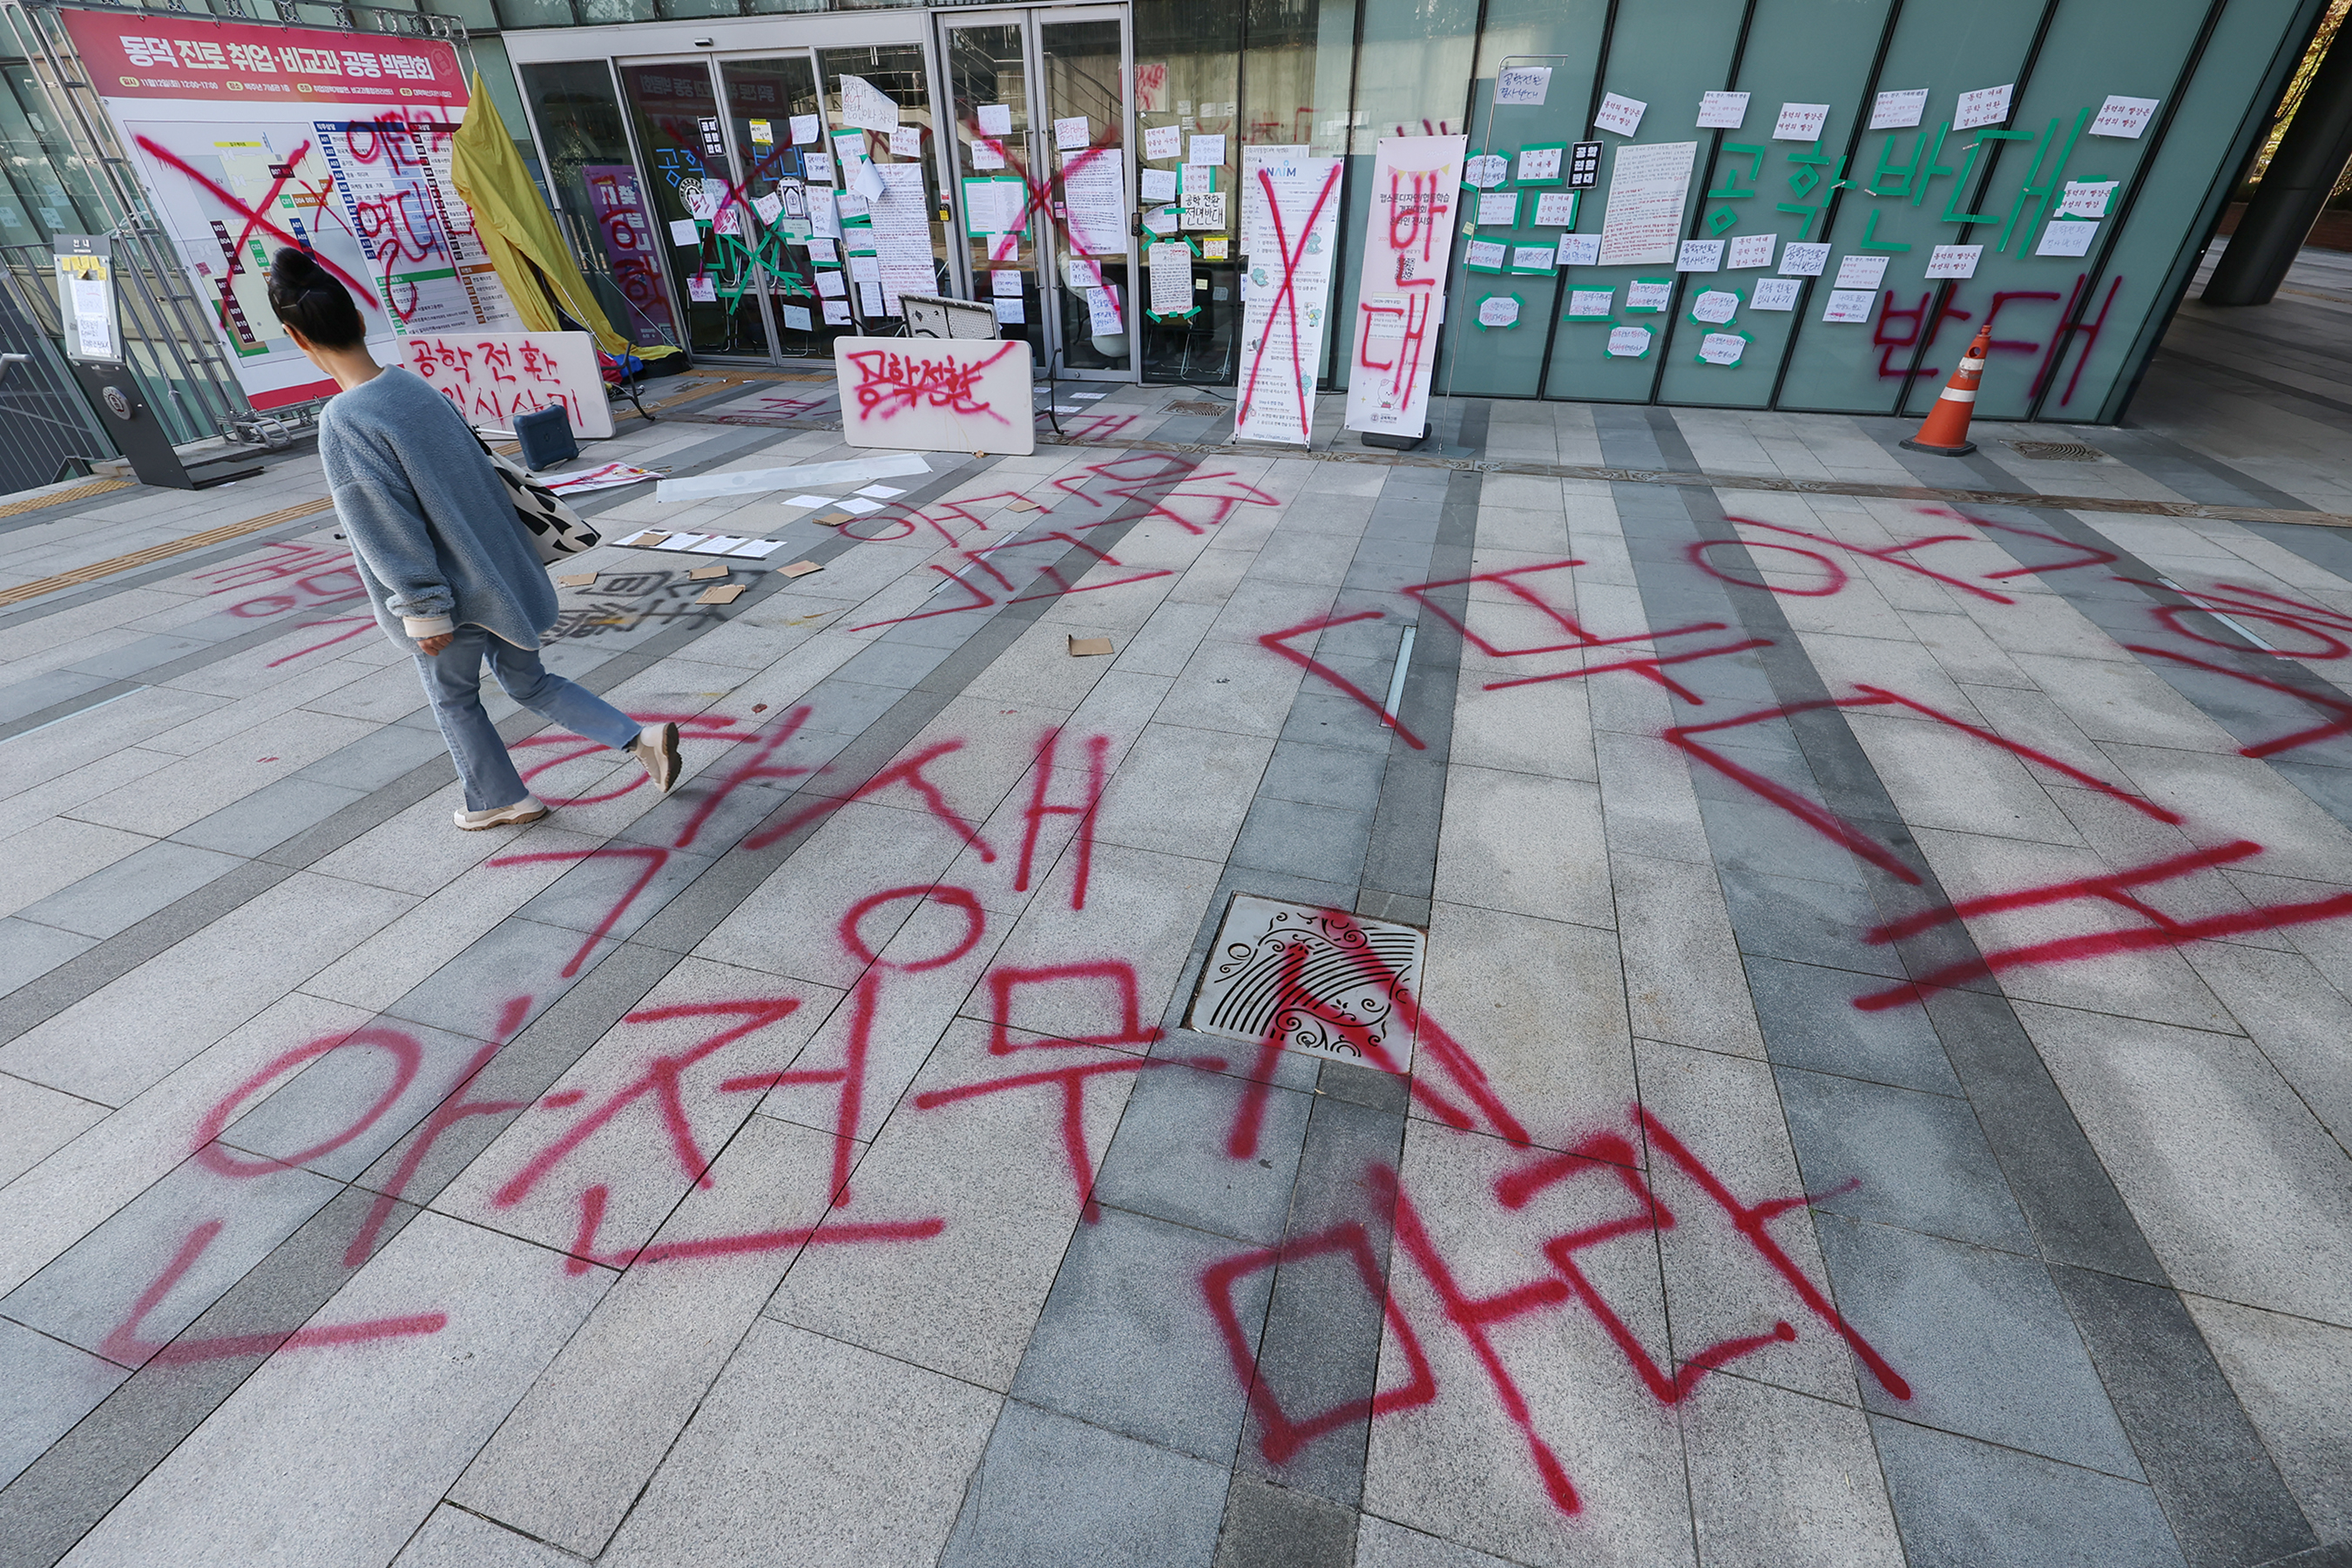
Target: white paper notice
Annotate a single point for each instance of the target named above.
(1861, 271)
(1643, 222)
(1801, 122)
(1523, 85)
(2088, 198)
(823, 249)
(1096, 189)
(806, 132)
(2067, 237)
(818, 166)
(1751, 251)
(1898, 110)
(702, 290)
(1540, 163)
(1590, 302)
(1851, 305)
(987, 154)
(1715, 306)
(1079, 272)
(1700, 256)
(1207, 150)
(770, 208)
(1205, 211)
(1628, 342)
(1400, 280)
(1289, 227)
(2121, 116)
(1498, 209)
(796, 319)
(1722, 110)
(1986, 106)
(1774, 294)
(1073, 134)
(1158, 184)
(682, 231)
(869, 298)
(1171, 278)
(1498, 312)
(1196, 178)
(1005, 284)
(1531, 259)
(907, 142)
(1622, 115)
(93, 318)
(1487, 171)
(1554, 209)
(1642, 296)
(1722, 348)
(837, 313)
(830, 284)
(866, 269)
(866, 106)
(702, 200)
(1164, 142)
(1803, 261)
(996, 120)
(1103, 317)
(1579, 250)
(1486, 253)
(1011, 313)
(1954, 260)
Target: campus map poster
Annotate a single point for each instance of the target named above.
(1408, 245)
(250, 137)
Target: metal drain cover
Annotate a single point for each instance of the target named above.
(1313, 980)
(2056, 452)
(1198, 405)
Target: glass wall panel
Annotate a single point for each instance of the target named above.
(1664, 54)
(896, 71)
(600, 199)
(988, 71)
(1083, 71)
(2238, 78)
(1790, 57)
(1188, 75)
(1909, 191)
(687, 179)
(1506, 361)
(2085, 58)
(768, 227)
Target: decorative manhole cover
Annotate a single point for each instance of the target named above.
(2056, 452)
(1317, 981)
(1198, 405)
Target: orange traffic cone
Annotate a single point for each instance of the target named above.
(1945, 432)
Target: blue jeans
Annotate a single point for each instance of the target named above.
(454, 682)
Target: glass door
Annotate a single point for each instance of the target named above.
(1045, 179)
(697, 208)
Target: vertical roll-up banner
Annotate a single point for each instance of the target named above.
(1400, 295)
(1290, 223)
(247, 137)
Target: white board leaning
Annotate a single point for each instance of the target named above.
(937, 394)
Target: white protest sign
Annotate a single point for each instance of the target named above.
(936, 395)
(1416, 181)
(1642, 224)
(490, 377)
(1295, 203)
(1523, 85)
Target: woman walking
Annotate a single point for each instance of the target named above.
(446, 563)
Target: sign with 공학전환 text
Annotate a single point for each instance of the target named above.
(937, 394)
(490, 377)
(248, 137)
(1415, 192)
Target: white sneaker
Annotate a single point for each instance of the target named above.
(657, 747)
(527, 809)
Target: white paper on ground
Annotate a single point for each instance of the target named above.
(881, 492)
(745, 481)
(759, 548)
(860, 508)
(718, 544)
(808, 500)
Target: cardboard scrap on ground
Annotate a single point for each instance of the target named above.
(725, 594)
(703, 573)
(803, 568)
(1087, 648)
(576, 580)
(853, 470)
(833, 519)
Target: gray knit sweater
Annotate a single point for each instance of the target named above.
(430, 522)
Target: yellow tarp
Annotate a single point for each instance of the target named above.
(515, 228)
